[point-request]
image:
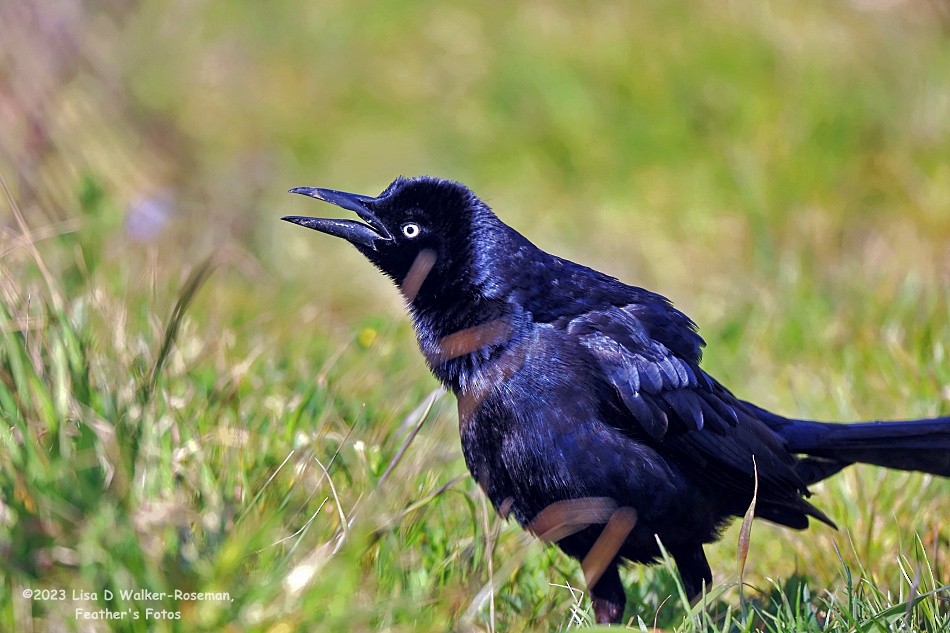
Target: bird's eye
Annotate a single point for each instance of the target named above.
(411, 230)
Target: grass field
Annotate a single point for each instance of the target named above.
(196, 397)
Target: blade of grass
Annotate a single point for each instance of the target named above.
(745, 535)
(195, 280)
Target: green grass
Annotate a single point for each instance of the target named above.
(232, 405)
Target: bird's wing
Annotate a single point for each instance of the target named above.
(675, 405)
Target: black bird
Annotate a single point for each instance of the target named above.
(583, 411)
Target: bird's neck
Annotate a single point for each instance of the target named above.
(470, 317)
(464, 334)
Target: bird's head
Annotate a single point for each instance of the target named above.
(419, 231)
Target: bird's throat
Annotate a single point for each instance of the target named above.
(458, 349)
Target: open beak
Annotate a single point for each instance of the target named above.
(354, 232)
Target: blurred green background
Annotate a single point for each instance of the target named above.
(779, 170)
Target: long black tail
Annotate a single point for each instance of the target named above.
(921, 445)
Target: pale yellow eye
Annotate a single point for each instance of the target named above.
(411, 230)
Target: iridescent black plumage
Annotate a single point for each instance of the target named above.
(573, 385)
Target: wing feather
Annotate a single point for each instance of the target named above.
(675, 404)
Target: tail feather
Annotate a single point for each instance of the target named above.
(920, 445)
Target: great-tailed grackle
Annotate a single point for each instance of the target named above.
(583, 410)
